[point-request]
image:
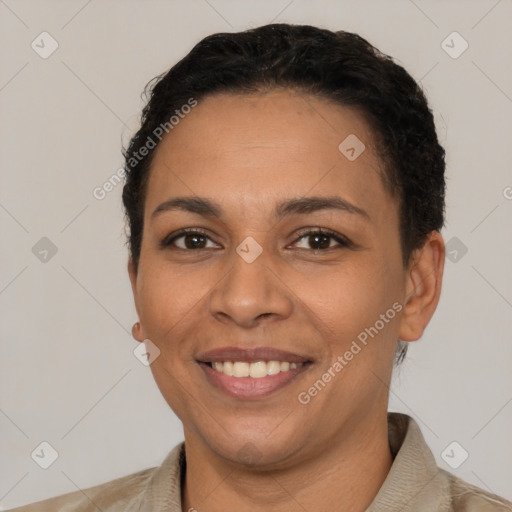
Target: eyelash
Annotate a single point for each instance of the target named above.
(342, 241)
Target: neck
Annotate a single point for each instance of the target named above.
(349, 473)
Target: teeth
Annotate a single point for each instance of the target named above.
(273, 367)
(241, 369)
(256, 370)
(228, 368)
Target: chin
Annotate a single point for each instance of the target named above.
(253, 447)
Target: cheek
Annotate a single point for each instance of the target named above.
(348, 303)
(170, 300)
(344, 294)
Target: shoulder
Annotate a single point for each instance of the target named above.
(466, 497)
(113, 496)
(130, 493)
(415, 482)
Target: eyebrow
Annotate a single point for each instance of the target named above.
(303, 205)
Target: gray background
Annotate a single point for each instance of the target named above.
(68, 374)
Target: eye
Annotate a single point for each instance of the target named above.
(320, 239)
(189, 239)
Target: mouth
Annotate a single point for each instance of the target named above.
(251, 373)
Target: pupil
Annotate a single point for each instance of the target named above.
(197, 241)
(314, 238)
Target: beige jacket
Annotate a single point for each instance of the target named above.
(414, 483)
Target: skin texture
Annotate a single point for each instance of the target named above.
(247, 153)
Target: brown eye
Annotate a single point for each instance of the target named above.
(320, 239)
(188, 240)
(194, 241)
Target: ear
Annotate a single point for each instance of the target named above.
(423, 287)
(137, 328)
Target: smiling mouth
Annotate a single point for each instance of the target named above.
(252, 373)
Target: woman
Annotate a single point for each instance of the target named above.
(284, 195)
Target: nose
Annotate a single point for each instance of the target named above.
(250, 293)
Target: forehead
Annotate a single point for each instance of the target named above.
(253, 150)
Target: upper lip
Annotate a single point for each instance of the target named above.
(249, 355)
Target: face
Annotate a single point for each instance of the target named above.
(292, 255)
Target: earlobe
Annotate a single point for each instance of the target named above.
(423, 287)
(136, 332)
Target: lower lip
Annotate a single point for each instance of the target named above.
(248, 387)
